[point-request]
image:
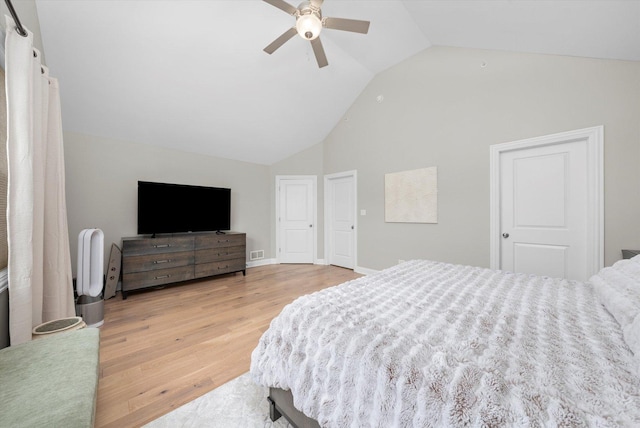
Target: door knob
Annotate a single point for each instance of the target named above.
(505, 235)
(351, 227)
(310, 225)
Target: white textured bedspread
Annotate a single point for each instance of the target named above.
(432, 344)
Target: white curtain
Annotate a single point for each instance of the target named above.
(40, 279)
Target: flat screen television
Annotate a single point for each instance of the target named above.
(176, 208)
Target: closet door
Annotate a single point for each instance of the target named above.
(340, 220)
(548, 207)
(296, 220)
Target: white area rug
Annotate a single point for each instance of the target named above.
(237, 403)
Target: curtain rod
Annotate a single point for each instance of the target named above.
(19, 28)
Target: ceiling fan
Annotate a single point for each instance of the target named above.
(309, 23)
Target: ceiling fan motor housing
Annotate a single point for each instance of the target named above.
(308, 21)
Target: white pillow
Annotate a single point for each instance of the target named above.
(618, 288)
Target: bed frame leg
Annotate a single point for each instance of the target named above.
(274, 414)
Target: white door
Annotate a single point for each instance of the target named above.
(546, 211)
(296, 219)
(340, 222)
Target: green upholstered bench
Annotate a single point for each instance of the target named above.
(50, 382)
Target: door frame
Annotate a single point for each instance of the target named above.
(327, 211)
(594, 138)
(314, 196)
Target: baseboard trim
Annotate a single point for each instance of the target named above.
(263, 262)
(364, 270)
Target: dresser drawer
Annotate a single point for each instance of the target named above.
(156, 261)
(217, 241)
(169, 244)
(220, 254)
(217, 268)
(137, 280)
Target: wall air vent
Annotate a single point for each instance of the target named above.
(256, 255)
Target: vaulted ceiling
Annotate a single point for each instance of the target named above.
(192, 75)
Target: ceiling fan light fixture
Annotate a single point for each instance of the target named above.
(309, 26)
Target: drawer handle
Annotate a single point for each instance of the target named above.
(223, 254)
(163, 276)
(157, 262)
(162, 246)
(223, 267)
(226, 240)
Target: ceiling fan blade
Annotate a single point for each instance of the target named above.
(282, 5)
(353, 25)
(281, 40)
(318, 50)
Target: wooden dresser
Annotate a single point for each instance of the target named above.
(149, 262)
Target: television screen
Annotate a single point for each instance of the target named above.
(174, 208)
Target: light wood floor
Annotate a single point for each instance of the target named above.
(165, 347)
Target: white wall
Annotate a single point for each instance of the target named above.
(102, 177)
(443, 108)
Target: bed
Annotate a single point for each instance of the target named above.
(427, 344)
